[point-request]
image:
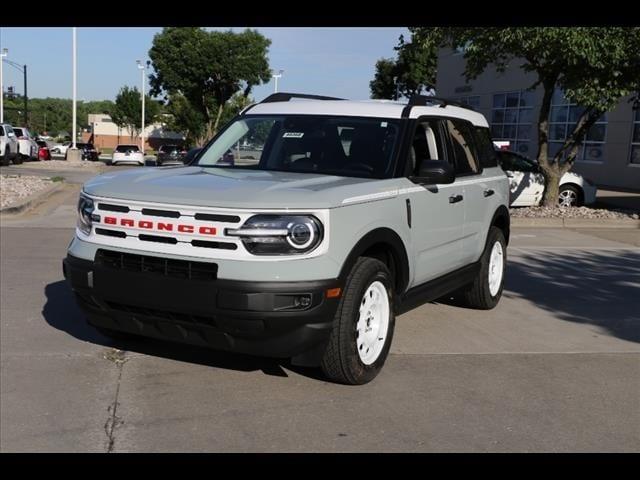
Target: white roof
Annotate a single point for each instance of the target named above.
(365, 108)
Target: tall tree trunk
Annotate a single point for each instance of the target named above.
(549, 170)
(218, 116)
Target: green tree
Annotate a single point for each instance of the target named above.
(413, 70)
(182, 117)
(595, 67)
(208, 68)
(127, 111)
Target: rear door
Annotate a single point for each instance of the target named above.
(437, 215)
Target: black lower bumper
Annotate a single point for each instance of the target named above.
(177, 301)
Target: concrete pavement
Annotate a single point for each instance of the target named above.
(555, 367)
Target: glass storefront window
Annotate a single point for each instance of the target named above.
(635, 139)
(562, 120)
(511, 118)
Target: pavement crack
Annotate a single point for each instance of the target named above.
(118, 357)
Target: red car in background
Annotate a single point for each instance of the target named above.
(43, 150)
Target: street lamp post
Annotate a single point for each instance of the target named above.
(142, 69)
(4, 53)
(276, 76)
(73, 126)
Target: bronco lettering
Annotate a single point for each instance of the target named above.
(160, 226)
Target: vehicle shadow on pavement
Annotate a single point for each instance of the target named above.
(61, 312)
(600, 289)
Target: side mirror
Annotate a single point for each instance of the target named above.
(434, 171)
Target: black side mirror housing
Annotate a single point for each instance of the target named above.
(434, 171)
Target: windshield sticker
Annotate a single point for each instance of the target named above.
(293, 135)
(383, 124)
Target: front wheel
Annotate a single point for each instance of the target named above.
(363, 325)
(17, 159)
(485, 291)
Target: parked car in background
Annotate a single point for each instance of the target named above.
(170, 154)
(61, 149)
(89, 152)
(43, 150)
(127, 154)
(191, 155)
(27, 146)
(8, 145)
(526, 183)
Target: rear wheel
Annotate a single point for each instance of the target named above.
(569, 197)
(485, 291)
(17, 159)
(363, 325)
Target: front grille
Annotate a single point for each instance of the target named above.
(217, 218)
(111, 233)
(160, 213)
(162, 314)
(184, 269)
(113, 208)
(157, 238)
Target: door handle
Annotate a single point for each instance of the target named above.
(488, 193)
(455, 198)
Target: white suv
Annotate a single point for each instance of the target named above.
(8, 145)
(27, 146)
(299, 231)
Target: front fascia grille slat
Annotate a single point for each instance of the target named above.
(183, 269)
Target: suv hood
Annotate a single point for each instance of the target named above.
(232, 188)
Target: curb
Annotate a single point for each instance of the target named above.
(575, 223)
(32, 200)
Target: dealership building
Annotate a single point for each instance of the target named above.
(106, 134)
(610, 155)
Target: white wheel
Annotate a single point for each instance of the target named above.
(373, 322)
(496, 267)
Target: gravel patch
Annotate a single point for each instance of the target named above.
(63, 165)
(14, 188)
(573, 212)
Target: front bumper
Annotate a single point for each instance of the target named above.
(169, 301)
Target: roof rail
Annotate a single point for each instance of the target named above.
(422, 100)
(285, 97)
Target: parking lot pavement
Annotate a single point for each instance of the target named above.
(555, 367)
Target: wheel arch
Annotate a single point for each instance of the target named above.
(502, 220)
(386, 245)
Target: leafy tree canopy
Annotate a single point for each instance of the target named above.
(127, 111)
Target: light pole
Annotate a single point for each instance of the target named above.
(4, 53)
(142, 69)
(276, 76)
(25, 95)
(73, 126)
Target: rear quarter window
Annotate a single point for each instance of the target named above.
(486, 153)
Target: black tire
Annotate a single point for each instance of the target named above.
(17, 159)
(573, 192)
(4, 161)
(341, 362)
(117, 334)
(477, 294)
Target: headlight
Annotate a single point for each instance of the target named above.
(279, 234)
(85, 214)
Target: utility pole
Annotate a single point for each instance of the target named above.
(25, 97)
(142, 70)
(73, 126)
(4, 53)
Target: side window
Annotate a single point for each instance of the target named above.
(462, 146)
(486, 152)
(1, 131)
(427, 144)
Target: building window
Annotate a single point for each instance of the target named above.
(635, 140)
(472, 101)
(511, 119)
(562, 121)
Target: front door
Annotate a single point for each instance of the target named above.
(437, 210)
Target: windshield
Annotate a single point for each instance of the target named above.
(127, 148)
(346, 146)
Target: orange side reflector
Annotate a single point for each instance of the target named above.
(334, 292)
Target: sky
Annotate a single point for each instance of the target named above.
(324, 61)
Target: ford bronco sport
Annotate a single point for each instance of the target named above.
(305, 244)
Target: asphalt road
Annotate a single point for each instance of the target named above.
(555, 367)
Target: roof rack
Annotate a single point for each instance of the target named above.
(285, 97)
(422, 100)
